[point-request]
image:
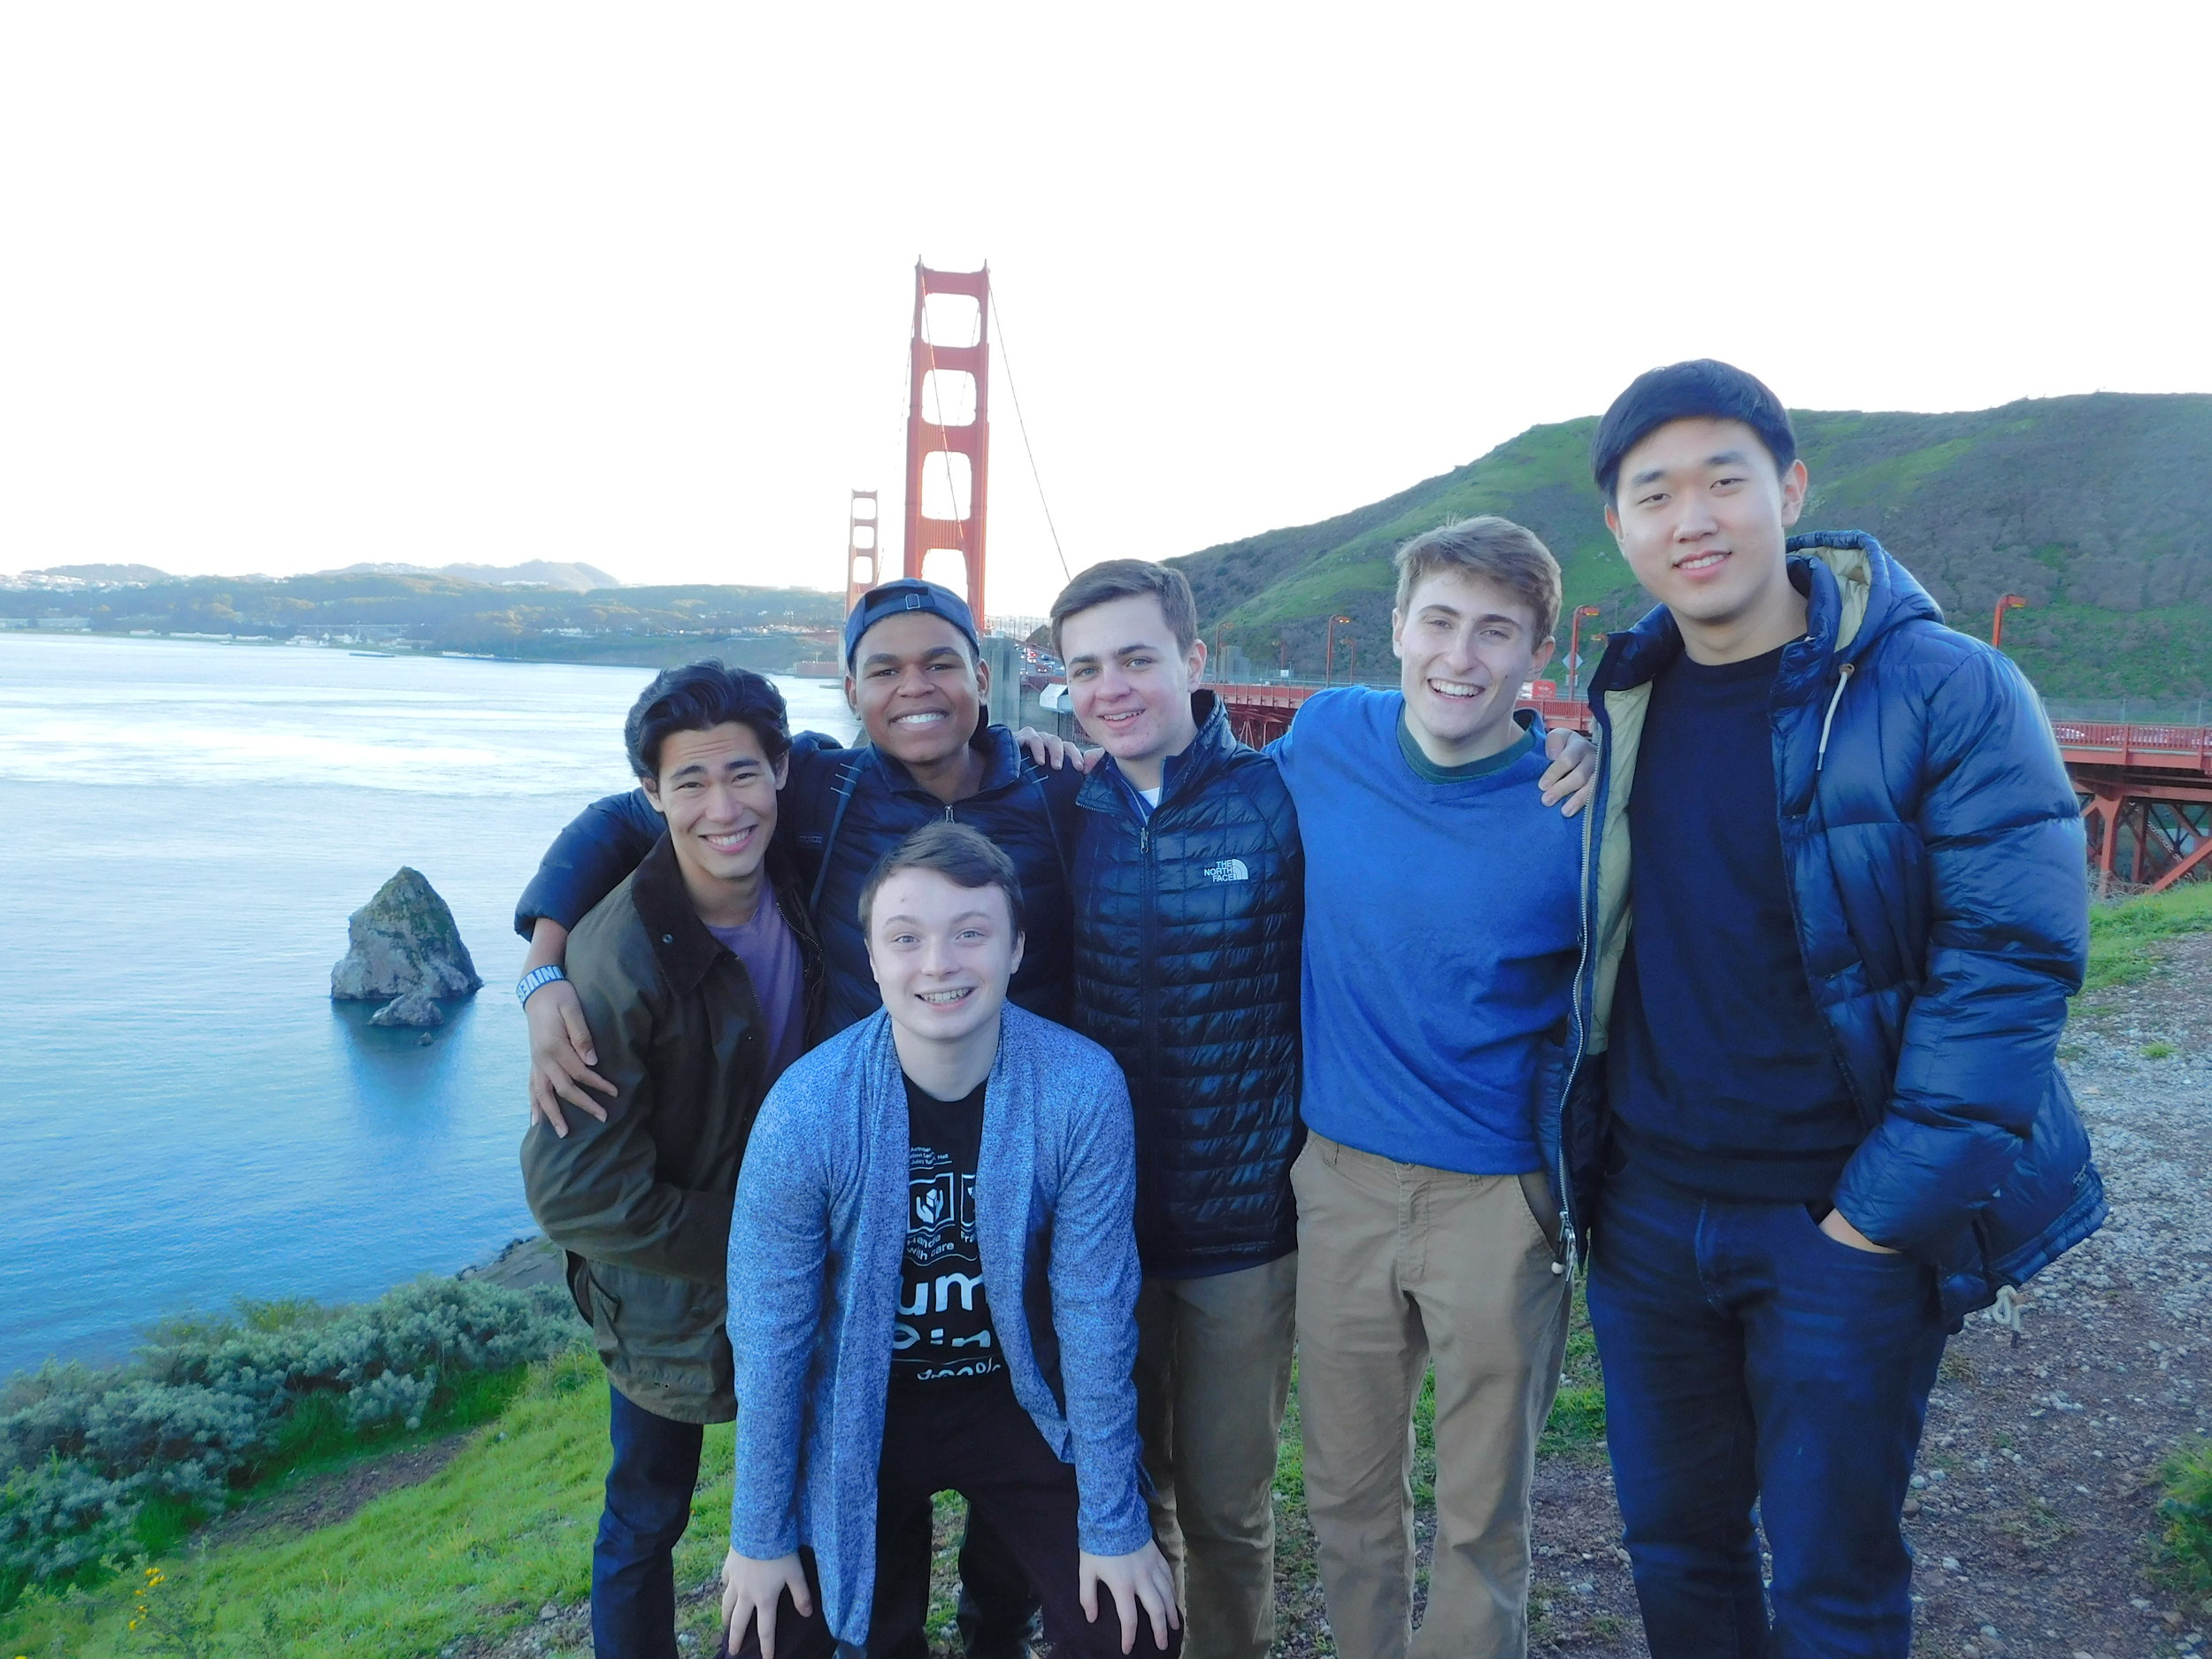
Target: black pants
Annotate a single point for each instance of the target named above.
(998, 1609)
(976, 1440)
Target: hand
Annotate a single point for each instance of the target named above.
(1573, 772)
(1142, 1578)
(561, 1057)
(1047, 749)
(750, 1590)
(1842, 1232)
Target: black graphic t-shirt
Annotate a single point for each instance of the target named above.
(943, 1334)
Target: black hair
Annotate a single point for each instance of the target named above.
(966, 857)
(698, 697)
(1701, 389)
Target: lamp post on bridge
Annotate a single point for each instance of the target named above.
(2010, 602)
(1574, 650)
(1220, 663)
(1328, 667)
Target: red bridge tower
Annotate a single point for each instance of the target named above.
(948, 430)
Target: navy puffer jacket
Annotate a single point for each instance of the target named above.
(1186, 936)
(1934, 850)
(840, 811)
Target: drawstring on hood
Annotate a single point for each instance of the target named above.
(1844, 670)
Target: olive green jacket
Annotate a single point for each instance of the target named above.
(641, 1202)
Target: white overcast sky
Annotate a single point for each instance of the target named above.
(284, 287)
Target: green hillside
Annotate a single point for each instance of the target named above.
(2097, 509)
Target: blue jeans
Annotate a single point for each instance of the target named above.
(650, 1485)
(1752, 1360)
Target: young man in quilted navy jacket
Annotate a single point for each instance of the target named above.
(1815, 1115)
(1188, 887)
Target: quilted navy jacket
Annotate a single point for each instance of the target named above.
(1187, 935)
(1935, 850)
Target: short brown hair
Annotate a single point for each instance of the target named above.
(1125, 578)
(964, 856)
(1495, 549)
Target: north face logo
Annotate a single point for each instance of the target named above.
(1228, 869)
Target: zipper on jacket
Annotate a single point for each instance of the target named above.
(1150, 954)
(1582, 1023)
(1844, 672)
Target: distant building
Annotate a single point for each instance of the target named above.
(66, 625)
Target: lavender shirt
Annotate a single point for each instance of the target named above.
(771, 956)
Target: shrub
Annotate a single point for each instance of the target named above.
(2187, 1512)
(205, 1406)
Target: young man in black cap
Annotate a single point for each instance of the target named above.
(915, 677)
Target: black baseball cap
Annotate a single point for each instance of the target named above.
(909, 592)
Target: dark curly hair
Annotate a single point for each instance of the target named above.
(698, 697)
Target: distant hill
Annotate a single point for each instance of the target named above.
(2097, 509)
(541, 573)
(758, 627)
(107, 573)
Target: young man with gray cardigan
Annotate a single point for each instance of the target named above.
(932, 1287)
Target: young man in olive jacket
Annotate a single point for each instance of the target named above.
(700, 973)
(1815, 1115)
(915, 678)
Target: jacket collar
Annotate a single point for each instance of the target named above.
(681, 941)
(1854, 592)
(1002, 761)
(1183, 774)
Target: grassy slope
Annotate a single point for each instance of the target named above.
(476, 1549)
(2093, 508)
(505, 1527)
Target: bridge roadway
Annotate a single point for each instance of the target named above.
(2145, 790)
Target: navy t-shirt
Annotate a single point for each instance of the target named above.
(1721, 1077)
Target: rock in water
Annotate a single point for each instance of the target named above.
(405, 952)
(414, 1009)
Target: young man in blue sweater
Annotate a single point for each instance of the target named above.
(932, 1279)
(1440, 944)
(1853, 864)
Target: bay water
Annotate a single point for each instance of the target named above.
(186, 1117)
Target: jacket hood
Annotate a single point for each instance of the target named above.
(1854, 592)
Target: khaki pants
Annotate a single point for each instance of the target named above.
(1213, 1369)
(1400, 1265)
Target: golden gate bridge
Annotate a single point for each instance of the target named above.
(2145, 790)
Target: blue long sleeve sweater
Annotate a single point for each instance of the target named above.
(1442, 938)
(815, 1243)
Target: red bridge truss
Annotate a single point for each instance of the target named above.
(2145, 790)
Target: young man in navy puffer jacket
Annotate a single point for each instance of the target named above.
(1816, 1113)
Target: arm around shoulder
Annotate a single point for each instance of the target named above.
(588, 860)
(597, 1190)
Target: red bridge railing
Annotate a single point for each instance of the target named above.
(2145, 790)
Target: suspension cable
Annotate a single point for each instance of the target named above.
(1007, 356)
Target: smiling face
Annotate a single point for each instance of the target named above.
(1466, 646)
(942, 954)
(917, 686)
(1702, 515)
(717, 788)
(1130, 681)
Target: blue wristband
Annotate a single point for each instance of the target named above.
(535, 977)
